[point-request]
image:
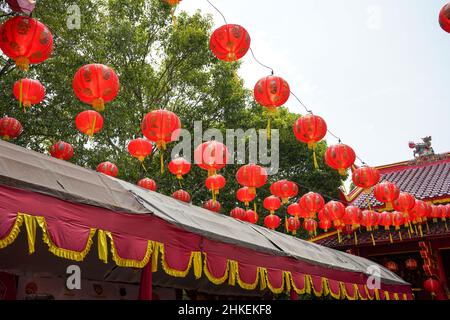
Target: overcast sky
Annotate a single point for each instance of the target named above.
(376, 70)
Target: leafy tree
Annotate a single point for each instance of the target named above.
(159, 66)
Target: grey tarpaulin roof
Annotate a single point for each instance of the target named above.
(33, 171)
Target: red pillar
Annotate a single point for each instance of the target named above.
(441, 273)
(145, 288)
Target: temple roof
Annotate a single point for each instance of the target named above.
(426, 178)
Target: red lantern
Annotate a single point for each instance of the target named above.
(294, 210)
(272, 204)
(340, 157)
(26, 41)
(212, 205)
(366, 177)
(293, 224)
(311, 203)
(385, 220)
(391, 266)
(22, 6)
(10, 128)
(397, 219)
(251, 217)
(444, 18)
(411, 264)
(251, 176)
(148, 184)
(272, 92)
(432, 286)
(284, 189)
(325, 225)
(310, 225)
(404, 203)
(369, 219)
(422, 209)
(386, 192)
(352, 216)
(230, 42)
(96, 84)
(173, 3)
(244, 195)
(214, 184)
(211, 156)
(435, 213)
(161, 127)
(272, 221)
(140, 148)
(89, 122)
(108, 168)
(179, 167)
(62, 150)
(182, 195)
(29, 92)
(239, 214)
(335, 210)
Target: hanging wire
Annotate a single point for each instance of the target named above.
(217, 11)
(292, 93)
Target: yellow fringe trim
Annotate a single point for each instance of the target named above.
(329, 292)
(234, 277)
(306, 286)
(64, 253)
(30, 225)
(317, 293)
(346, 294)
(195, 259)
(211, 278)
(369, 296)
(265, 276)
(102, 246)
(128, 263)
(12, 236)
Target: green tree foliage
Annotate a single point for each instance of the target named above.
(159, 66)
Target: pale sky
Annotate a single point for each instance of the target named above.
(376, 70)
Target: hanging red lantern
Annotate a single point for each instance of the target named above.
(294, 210)
(29, 92)
(411, 264)
(435, 213)
(404, 203)
(89, 122)
(251, 217)
(369, 219)
(140, 148)
(244, 195)
(239, 214)
(161, 127)
(214, 184)
(422, 209)
(325, 225)
(391, 266)
(310, 129)
(148, 184)
(432, 286)
(173, 4)
(272, 221)
(340, 157)
(397, 219)
(96, 84)
(212, 205)
(293, 224)
(386, 192)
(444, 18)
(10, 128)
(251, 176)
(310, 225)
(311, 203)
(230, 42)
(182, 195)
(335, 210)
(366, 178)
(385, 220)
(61, 150)
(284, 190)
(352, 216)
(26, 41)
(211, 156)
(179, 167)
(22, 6)
(272, 92)
(272, 204)
(108, 168)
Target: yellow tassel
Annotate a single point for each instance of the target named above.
(339, 236)
(268, 128)
(179, 182)
(373, 240)
(400, 235)
(409, 233)
(143, 166)
(420, 227)
(428, 227)
(286, 224)
(213, 196)
(161, 159)
(316, 164)
(254, 206)
(446, 228)
(174, 19)
(356, 237)
(410, 227)
(390, 238)
(368, 203)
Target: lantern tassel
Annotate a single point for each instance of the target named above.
(390, 238)
(161, 159)
(174, 19)
(94, 123)
(179, 182)
(316, 164)
(339, 236)
(254, 206)
(213, 196)
(21, 96)
(143, 166)
(268, 128)
(400, 235)
(446, 228)
(368, 203)
(286, 224)
(373, 240)
(428, 227)
(356, 237)
(420, 229)
(409, 234)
